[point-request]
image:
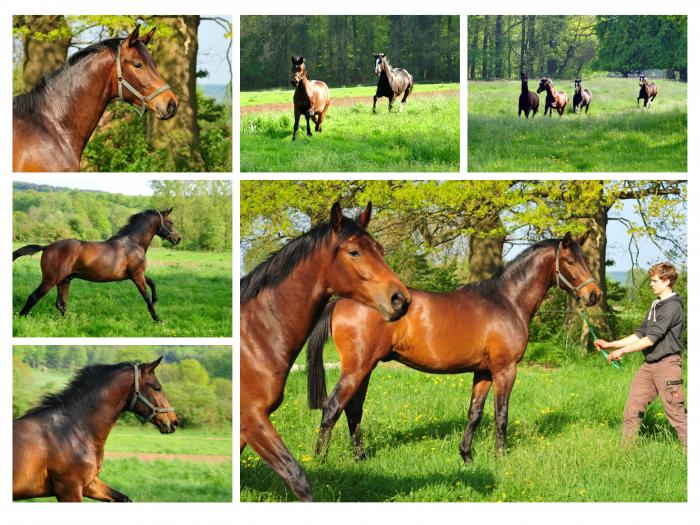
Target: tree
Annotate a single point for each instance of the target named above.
(45, 44)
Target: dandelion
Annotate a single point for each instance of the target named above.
(306, 458)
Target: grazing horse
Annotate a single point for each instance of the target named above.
(52, 124)
(528, 101)
(647, 91)
(121, 257)
(392, 82)
(480, 328)
(582, 97)
(58, 447)
(281, 301)
(311, 97)
(555, 99)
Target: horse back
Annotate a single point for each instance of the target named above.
(321, 98)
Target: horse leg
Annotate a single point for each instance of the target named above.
(297, 116)
(353, 413)
(140, 281)
(403, 100)
(308, 116)
(70, 492)
(62, 290)
(374, 106)
(480, 391)
(152, 286)
(258, 432)
(502, 387)
(391, 101)
(100, 491)
(34, 297)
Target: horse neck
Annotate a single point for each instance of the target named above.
(529, 292)
(550, 89)
(145, 238)
(389, 72)
(523, 87)
(306, 85)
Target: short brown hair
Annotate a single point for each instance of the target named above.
(664, 270)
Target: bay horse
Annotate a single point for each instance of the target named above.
(311, 97)
(582, 96)
(281, 301)
(392, 82)
(121, 257)
(481, 328)
(58, 447)
(52, 124)
(647, 91)
(528, 101)
(555, 99)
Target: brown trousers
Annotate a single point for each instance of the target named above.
(663, 378)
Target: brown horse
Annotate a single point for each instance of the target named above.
(480, 328)
(392, 82)
(120, 257)
(52, 124)
(582, 96)
(311, 97)
(280, 303)
(647, 91)
(58, 447)
(555, 99)
(528, 101)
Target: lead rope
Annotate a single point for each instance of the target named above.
(616, 364)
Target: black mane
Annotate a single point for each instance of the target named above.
(276, 268)
(32, 101)
(82, 390)
(134, 224)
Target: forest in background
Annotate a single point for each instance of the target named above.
(572, 46)
(340, 49)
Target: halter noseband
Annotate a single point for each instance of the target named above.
(560, 277)
(122, 81)
(162, 226)
(140, 397)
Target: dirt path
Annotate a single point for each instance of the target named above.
(154, 456)
(345, 101)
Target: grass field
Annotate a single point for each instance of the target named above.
(614, 136)
(424, 137)
(194, 300)
(563, 442)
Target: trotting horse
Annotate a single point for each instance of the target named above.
(582, 96)
(52, 124)
(120, 257)
(647, 91)
(528, 101)
(281, 301)
(392, 82)
(58, 447)
(311, 97)
(555, 99)
(480, 328)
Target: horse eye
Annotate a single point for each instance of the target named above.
(354, 253)
(156, 388)
(569, 261)
(138, 65)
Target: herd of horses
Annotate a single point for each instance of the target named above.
(557, 100)
(312, 98)
(481, 328)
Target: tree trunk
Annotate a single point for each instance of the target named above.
(42, 56)
(486, 253)
(485, 74)
(176, 57)
(475, 42)
(531, 43)
(523, 44)
(498, 52)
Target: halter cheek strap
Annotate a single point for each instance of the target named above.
(121, 81)
(138, 396)
(162, 227)
(561, 279)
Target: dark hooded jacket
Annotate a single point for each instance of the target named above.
(663, 326)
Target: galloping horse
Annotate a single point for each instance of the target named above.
(528, 101)
(121, 257)
(582, 97)
(281, 301)
(555, 99)
(392, 82)
(58, 447)
(311, 97)
(52, 124)
(480, 328)
(647, 91)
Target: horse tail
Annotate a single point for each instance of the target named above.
(29, 249)
(316, 374)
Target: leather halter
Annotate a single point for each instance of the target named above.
(121, 81)
(561, 279)
(162, 226)
(138, 396)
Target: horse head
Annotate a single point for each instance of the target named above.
(167, 229)
(571, 271)
(149, 401)
(577, 85)
(379, 59)
(298, 70)
(643, 80)
(543, 84)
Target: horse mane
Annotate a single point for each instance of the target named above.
(81, 390)
(273, 271)
(134, 223)
(33, 101)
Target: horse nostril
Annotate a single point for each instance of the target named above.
(175, 424)
(592, 298)
(398, 301)
(172, 106)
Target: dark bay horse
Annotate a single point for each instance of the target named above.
(528, 101)
(392, 82)
(281, 301)
(647, 91)
(555, 99)
(311, 97)
(480, 328)
(582, 96)
(120, 257)
(58, 447)
(52, 124)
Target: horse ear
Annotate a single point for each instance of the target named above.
(133, 37)
(566, 241)
(147, 37)
(581, 240)
(365, 216)
(336, 217)
(150, 367)
(168, 211)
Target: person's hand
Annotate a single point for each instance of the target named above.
(614, 355)
(602, 343)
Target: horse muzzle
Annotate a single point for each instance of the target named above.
(167, 109)
(295, 81)
(174, 239)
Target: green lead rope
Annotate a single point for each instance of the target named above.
(583, 313)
